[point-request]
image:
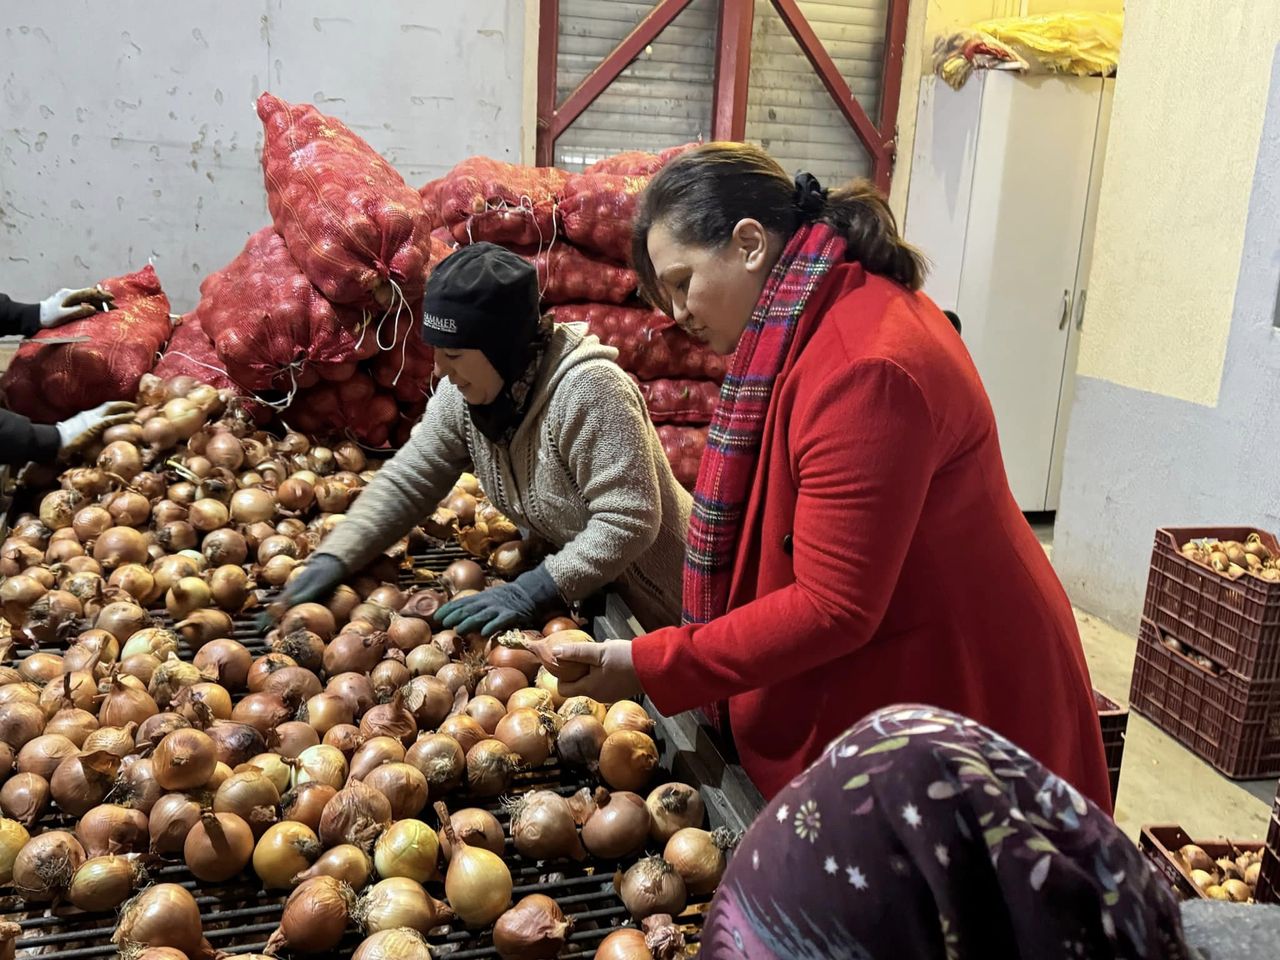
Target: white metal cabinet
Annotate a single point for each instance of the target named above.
(1002, 200)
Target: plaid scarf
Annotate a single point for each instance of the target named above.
(733, 443)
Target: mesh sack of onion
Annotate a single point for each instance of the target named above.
(272, 329)
(598, 210)
(484, 199)
(648, 343)
(689, 402)
(569, 275)
(684, 447)
(356, 229)
(50, 383)
(638, 163)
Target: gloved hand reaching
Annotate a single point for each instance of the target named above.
(320, 575)
(501, 607)
(78, 430)
(67, 305)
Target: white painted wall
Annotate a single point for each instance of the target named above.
(128, 131)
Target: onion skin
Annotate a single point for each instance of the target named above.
(619, 827)
(45, 865)
(628, 759)
(306, 802)
(24, 798)
(398, 944)
(172, 818)
(184, 760)
(285, 850)
(344, 862)
(579, 741)
(83, 781)
(373, 753)
(218, 848)
(491, 766)
(403, 785)
(315, 917)
(651, 887)
(441, 760)
(478, 828)
(698, 857)
(355, 815)
(401, 902)
(543, 827)
(478, 884)
(673, 807)
(163, 915)
(109, 828)
(534, 929)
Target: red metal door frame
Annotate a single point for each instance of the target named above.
(732, 72)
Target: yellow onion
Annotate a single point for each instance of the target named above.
(315, 917)
(400, 902)
(478, 884)
(534, 928)
(407, 848)
(398, 944)
(285, 850)
(345, 862)
(103, 883)
(163, 915)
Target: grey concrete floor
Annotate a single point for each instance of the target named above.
(1160, 780)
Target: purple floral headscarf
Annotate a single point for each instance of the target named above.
(922, 834)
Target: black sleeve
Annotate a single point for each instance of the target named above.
(18, 318)
(22, 441)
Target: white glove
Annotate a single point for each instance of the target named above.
(68, 304)
(83, 427)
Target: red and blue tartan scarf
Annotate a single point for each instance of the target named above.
(733, 443)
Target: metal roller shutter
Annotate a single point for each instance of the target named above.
(664, 98)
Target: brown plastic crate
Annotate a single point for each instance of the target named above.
(1114, 721)
(1235, 623)
(1232, 723)
(1161, 843)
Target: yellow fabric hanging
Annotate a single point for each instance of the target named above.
(1084, 44)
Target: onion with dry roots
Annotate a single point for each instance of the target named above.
(698, 857)
(400, 902)
(355, 815)
(652, 886)
(45, 865)
(163, 915)
(673, 807)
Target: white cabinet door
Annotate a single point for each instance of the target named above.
(1026, 215)
(1081, 294)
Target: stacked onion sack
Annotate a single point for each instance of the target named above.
(576, 228)
(359, 761)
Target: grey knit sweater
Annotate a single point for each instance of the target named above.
(585, 472)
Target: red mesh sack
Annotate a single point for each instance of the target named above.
(483, 199)
(270, 327)
(190, 353)
(648, 344)
(684, 447)
(638, 163)
(430, 193)
(50, 383)
(355, 408)
(598, 210)
(567, 275)
(680, 401)
(351, 222)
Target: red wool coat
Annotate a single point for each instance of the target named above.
(883, 558)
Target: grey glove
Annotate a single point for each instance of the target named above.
(67, 305)
(500, 607)
(321, 573)
(78, 430)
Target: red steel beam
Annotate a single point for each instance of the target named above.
(829, 74)
(733, 70)
(895, 45)
(598, 80)
(548, 51)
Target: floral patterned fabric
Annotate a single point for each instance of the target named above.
(919, 834)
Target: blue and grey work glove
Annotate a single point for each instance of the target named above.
(501, 607)
(320, 575)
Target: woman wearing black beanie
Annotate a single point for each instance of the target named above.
(559, 438)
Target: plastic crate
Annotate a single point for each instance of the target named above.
(1160, 844)
(1232, 723)
(1114, 721)
(1235, 623)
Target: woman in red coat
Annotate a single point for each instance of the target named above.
(854, 542)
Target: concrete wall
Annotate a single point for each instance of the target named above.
(128, 133)
(1143, 450)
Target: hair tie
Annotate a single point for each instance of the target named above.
(810, 198)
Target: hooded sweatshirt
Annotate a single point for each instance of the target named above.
(584, 472)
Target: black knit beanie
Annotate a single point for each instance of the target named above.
(483, 297)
